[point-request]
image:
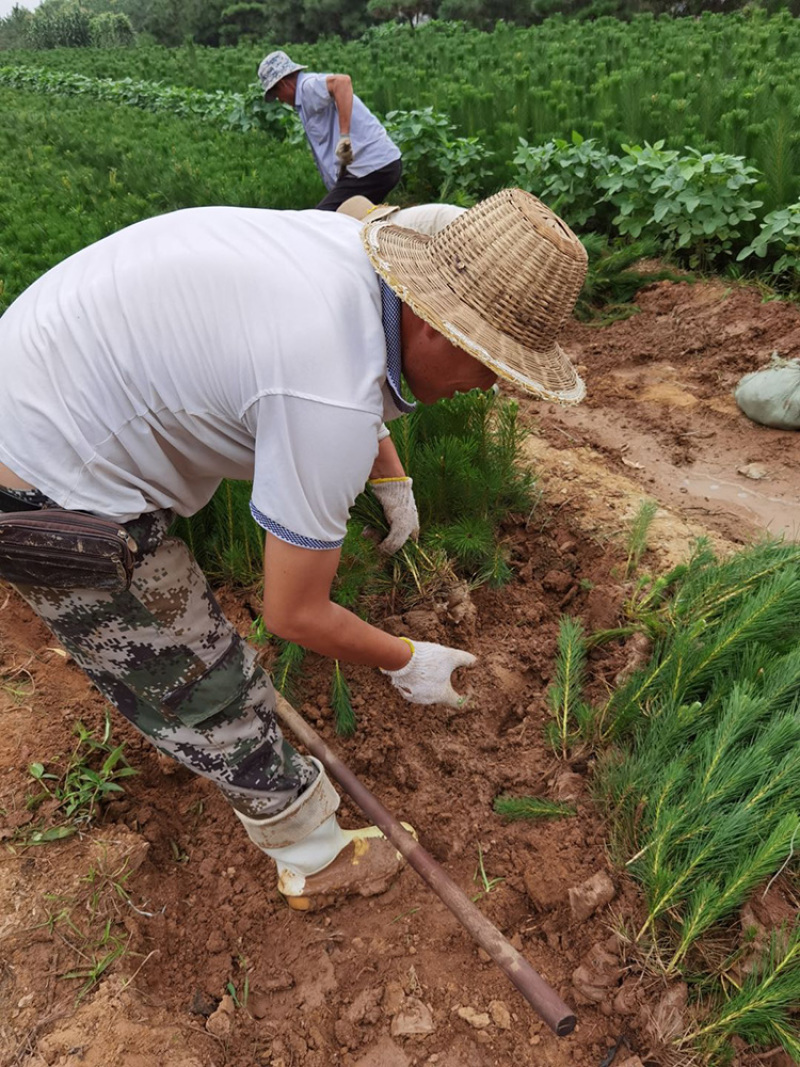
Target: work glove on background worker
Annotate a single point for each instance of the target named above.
(396, 497)
(344, 151)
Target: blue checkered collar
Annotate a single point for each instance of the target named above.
(390, 313)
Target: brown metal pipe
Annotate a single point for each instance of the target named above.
(542, 998)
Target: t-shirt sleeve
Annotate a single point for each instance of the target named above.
(314, 93)
(311, 462)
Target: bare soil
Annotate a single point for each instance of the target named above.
(395, 981)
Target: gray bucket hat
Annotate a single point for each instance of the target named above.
(275, 66)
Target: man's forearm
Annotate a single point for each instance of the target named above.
(387, 462)
(341, 89)
(333, 631)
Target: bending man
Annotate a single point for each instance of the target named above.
(227, 342)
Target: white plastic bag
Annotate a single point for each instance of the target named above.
(772, 396)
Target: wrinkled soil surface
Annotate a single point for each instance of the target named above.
(168, 880)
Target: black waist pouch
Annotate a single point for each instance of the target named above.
(65, 550)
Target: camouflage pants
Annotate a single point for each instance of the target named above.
(164, 654)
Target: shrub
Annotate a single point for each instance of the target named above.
(110, 30)
(694, 202)
(437, 163)
(779, 235)
(564, 174)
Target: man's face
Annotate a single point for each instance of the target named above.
(434, 367)
(282, 91)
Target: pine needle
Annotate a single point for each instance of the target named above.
(531, 808)
(345, 716)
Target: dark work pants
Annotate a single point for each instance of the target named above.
(374, 186)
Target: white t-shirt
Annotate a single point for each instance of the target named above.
(209, 343)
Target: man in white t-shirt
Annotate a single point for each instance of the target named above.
(353, 152)
(228, 342)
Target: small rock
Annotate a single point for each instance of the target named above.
(220, 1023)
(632, 1061)
(258, 1005)
(384, 1053)
(203, 1004)
(544, 887)
(501, 1016)
(753, 470)
(414, 1018)
(393, 997)
(568, 786)
(667, 1019)
(479, 1019)
(425, 624)
(557, 581)
(637, 653)
(215, 943)
(277, 983)
(586, 898)
(626, 1002)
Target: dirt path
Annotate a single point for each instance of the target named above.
(395, 982)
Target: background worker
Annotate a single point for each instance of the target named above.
(353, 152)
(230, 342)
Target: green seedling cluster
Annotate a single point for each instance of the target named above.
(703, 781)
(89, 776)
(89, 922)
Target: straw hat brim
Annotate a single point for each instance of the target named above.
(359, 207)
(398, 255)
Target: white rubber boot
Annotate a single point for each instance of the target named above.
(318, 862)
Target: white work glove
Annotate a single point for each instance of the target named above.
(425, 679)
(344, 150)
(396, 497)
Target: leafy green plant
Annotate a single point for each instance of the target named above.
(239, 991)
(437, 162)
(482, 879)
(564, 174)
(763, 1010)
(89, 777)
(697, 201)
(779, 237)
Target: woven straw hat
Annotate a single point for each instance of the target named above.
(359, 207)
(499, 282)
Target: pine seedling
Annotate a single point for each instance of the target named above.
(637, 536)
(344, 715)
(514, 808)
(763, 1011)
(564, 695)
(287, 669)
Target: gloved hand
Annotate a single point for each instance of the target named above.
(425, 679)
(396, 497)
(344, 150)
